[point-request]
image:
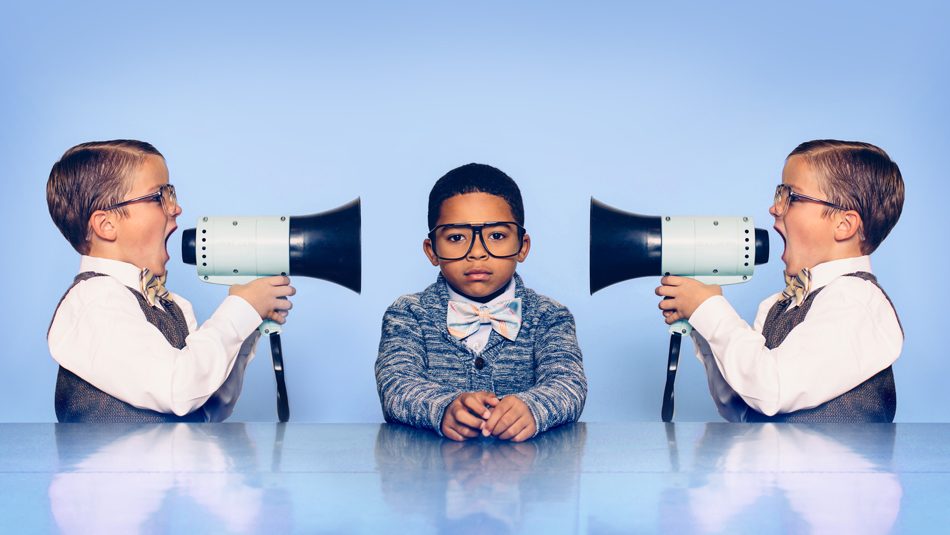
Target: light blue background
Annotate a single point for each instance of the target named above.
(685, 109)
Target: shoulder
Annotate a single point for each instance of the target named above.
(544, 308)
(860, 299)
(853, 290)
(406, 304)
(98, 291)
(408, 310)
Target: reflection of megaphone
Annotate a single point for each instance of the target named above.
(713, 250)
(236, 250)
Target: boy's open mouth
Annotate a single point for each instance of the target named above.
(169, 235)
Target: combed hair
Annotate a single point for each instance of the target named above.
(860, 177)
(475, 178)
(88, 177)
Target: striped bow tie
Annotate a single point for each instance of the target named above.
(153, 286)
(797, 286)
(464, 318)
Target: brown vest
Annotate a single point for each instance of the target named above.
(874, 400)
(79, 401)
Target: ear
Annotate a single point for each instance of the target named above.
(430, 254)
(102, 225)
(525, 247)
(849, 225)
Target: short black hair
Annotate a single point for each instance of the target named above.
(475, 178)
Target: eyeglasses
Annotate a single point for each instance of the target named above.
(784, 196)
(500, 239)
(165, 195)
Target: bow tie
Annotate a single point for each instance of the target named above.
(153, 286)
(797, 286)
(464, 318)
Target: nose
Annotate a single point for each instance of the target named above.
(478, 251)
(773, 211)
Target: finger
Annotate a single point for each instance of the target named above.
(500, 410)
(477, 407)
(517, 426)
(282, 304)
(667, 304)
(466, 432)
(452, 434)
(672, 280)
(277, 317)
(464, 416)
(505, 423)
(285, 291)
(488, 398)
(523, 435)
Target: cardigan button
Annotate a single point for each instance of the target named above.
(479, 363)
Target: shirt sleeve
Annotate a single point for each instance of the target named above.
(406, 393)
(849, 334)
(560, 391)
(100, 334)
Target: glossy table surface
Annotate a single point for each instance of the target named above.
(371, 478)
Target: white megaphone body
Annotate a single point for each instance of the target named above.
(711, 249)
(236, 250)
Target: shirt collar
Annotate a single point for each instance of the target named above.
(127, 274)
(508, 294)
(824, 273)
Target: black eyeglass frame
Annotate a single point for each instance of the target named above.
(157, 196)
(477, 230)
(794, 197)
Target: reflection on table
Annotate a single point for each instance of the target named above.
(582, 478)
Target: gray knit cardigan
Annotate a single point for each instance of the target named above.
(421, 368)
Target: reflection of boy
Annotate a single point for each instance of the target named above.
(128, 349)
(477, 352)
(821, 350)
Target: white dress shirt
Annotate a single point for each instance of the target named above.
(478, 339)
(100, 333)
(851, 333)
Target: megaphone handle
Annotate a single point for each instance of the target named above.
(667, 410)
(681, 327)
(283, 405)
(270, 327)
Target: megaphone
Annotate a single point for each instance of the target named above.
(237, 250)
(713, 250)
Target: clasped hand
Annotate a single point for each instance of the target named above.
(474, 413)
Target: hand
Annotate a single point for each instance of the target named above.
(466, 414)
(268, 296)
(510, 420)
(682, 296)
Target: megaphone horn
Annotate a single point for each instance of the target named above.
(622, 245)
(231, 250)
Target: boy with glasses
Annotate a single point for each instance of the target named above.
(477, 353)
(129, 350)
(822, 349)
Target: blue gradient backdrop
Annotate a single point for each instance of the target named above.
(286, 108)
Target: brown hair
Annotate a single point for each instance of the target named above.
(89, 177)
(860, 177)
